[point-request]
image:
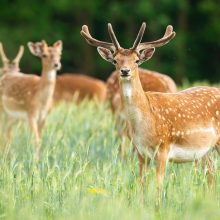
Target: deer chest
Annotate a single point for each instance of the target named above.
(142, 132)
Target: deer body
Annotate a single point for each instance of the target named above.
(70, 86)
(30, 97)
(175, 120)
(177, 127)
(150, 81)
(24, 94)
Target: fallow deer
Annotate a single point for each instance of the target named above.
(79, 87)
(10, 66)
(30, 97)
(178, 127)
(67, 85)
(7, 68)
(150, 81)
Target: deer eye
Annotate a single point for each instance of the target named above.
(44, 55)
(137, 61)
(114, 62)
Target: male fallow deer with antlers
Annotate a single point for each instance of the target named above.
(178, 127)
(30, 97)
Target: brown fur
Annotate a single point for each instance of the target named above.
(70, 85)
(150, 81)
(188, 119)
(30, 97)
(179, 127)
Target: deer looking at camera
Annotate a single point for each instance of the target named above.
(10, 66)
(150, 81)
(178, 127)
(30, 97)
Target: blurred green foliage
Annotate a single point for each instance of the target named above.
(193, 55)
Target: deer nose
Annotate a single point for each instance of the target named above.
(57, 65)
(124, 72)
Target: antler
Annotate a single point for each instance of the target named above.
(169, 35)
(139, 36)
(113, 37)
(94, 42)
(2, 53)
(19, 55)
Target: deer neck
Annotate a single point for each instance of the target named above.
(48, 76)
(132, 91)
(137, 109)
(47, 86)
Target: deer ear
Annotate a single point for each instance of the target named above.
(58, 45)
(146, 54)
(35, 48)
(106, 54)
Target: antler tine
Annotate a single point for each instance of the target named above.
(2, 53)
(113, 37)
(169, 35)
(139, 36)
(20, 54)
(94, 42)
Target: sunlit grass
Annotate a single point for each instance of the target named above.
(80, 175)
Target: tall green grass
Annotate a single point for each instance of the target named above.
(80, 175)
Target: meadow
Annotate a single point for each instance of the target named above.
(80, 174)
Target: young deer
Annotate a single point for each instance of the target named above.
(178, 127)
(30, 97)
(70, 86)
(10, 66)
(150, 81)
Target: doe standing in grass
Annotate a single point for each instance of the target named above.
(30, 97)
(178, 127)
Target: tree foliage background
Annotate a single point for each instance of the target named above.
(194, 54)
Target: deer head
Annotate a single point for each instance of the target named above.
(11, 66)
(127, 60)
(50, 56)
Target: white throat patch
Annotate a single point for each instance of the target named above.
(51, 75)
(127, 90)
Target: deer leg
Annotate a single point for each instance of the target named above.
(141, 169)
(41, 126)
(162, 157)
(34, 130)
(121, 133)
(123, 146)
(207, 160)
(218, 149)
(9, 125)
